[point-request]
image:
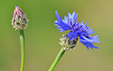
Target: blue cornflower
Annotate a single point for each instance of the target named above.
(77, 30)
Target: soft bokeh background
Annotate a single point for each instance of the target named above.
(42, 37)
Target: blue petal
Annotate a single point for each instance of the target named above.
(57, 23)
(87, 44)
(95, 36)
(69, 34)
(61, 30)
(72, 35)
(87, 28)
(75, 16)
(90, 31)
(60, 23)
(84, 25)
(69, 15)
(58, 17)
(66, 19)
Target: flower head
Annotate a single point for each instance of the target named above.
(76, 30)
(19, 20)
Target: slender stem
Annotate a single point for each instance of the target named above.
(60, 54)
(22, 44)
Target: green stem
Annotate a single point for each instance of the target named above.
(22, 44)
(60, 54)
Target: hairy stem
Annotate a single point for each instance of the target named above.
(22, 44)
(60, 54)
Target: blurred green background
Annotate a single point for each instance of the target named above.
(42, 37)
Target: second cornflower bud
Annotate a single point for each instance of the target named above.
(66, 43)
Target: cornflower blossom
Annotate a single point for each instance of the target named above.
(77, 30)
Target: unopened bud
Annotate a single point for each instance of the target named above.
(19, 20)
